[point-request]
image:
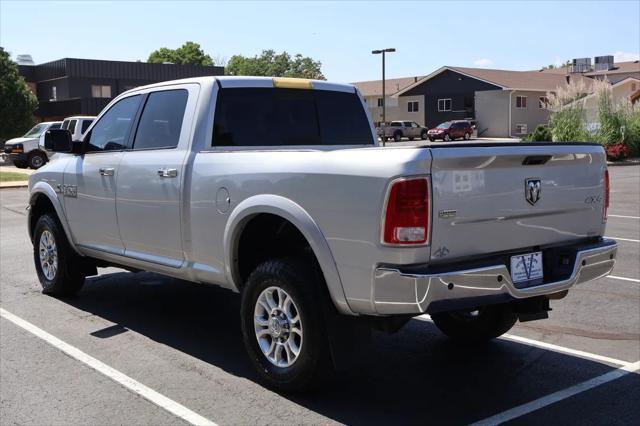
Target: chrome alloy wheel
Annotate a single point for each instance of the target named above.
(278, 327)
(48, 255)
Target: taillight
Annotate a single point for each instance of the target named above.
(406, 220)
(605, 210)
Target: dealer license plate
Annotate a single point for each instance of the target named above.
(526, 267)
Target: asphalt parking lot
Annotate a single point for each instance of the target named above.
(182, 342)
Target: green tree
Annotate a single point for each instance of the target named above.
(17, 102)
(189, 53)
(270, 64)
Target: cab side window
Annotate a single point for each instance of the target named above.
(161, 120)
(112, 130)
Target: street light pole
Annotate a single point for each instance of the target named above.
(384, 101)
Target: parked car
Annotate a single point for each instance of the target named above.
(25, 151)
(277, 189)
(76, 125)
(402, 129)
(451, 130)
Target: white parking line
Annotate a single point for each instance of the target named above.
(551, 347)
(539, 403)
(623, 217)
(134, 386)
(624, 239)
(633, 280)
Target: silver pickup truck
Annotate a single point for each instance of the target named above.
(277, 189)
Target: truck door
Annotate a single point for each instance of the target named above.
(90, 180)
(151, 176)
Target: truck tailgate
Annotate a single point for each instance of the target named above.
(493, 198)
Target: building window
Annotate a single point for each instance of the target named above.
(379, 102)
(521, 102)
(444, 104)
(98, 91)
(543, 102)
(413, 106)
(54, 93)
(521, 129)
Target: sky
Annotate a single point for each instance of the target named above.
(427, 34)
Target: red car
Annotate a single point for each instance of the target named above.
(451, 130)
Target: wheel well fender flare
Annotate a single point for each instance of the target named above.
(44, 189)
(296, 215)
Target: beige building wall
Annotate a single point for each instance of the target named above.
(531, 116)
(619, 94)
(492, 113)
(396, 109)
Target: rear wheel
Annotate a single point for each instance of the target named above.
(36, 160)
(476, 325)
(282, 324)
(411, 138)
(384, 139)
(432, 139)
(467, 136)
(423, 135)
(59, 268)
(397, 136)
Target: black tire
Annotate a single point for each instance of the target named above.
(69, 276)
(423, 135)
(447, 138)
(36, 160)
(397, 136)
(488, 322)
(297, 278)
(411, 138)
(467, 136)
(385, 139)
(432, 139)
(20, 164)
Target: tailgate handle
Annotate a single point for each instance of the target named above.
(534, 160)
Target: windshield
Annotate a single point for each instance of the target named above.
(36, 131)
(444, 125)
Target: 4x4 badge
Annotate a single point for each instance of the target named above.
(532, 190)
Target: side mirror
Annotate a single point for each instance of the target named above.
(57, 140)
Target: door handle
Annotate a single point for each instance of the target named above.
(167, 173)
(107, 171)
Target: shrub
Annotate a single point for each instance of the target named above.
(540, 134)
(567, 119)
(617, 152)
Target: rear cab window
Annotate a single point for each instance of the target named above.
(289, 117)
(161, 120)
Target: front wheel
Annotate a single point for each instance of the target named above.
(397, 137)
(59, 268)
(467, 136)
(476, 325)
(20, 164)
(432, 139)
(282, 324)
(447, 138)
(36, 160)
(423, 135)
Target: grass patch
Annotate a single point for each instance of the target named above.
(13, 176)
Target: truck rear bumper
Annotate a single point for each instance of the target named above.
(415, 290)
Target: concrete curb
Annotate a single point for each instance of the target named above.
(16, 184)
(634, 162)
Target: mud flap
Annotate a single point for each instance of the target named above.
(349, 339)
